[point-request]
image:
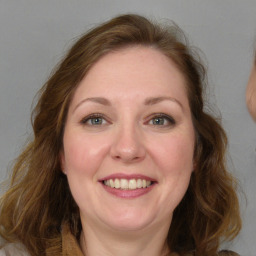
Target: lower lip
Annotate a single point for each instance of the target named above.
(126, 193)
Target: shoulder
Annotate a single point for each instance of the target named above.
(16, 249)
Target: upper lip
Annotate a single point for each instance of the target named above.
(127, 176)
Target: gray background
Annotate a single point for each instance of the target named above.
(35, 34)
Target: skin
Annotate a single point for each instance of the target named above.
(251, 93)
(128, 140)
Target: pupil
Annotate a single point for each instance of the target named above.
(158, 121)
(96, 121)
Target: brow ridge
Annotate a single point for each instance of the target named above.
(100, 100)
(156, 100)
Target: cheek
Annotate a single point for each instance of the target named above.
(83, 155)
(177, 167)
(175, 154)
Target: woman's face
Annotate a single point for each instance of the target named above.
(129, 140)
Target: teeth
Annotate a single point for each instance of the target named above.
(144, 183)
(132, 184)
(127, 184)
(124, 184)
(117, 183)
(139, 183)
(112, 185)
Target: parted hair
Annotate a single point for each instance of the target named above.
(39, 200)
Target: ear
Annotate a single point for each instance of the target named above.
(62, 162)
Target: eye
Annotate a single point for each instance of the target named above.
(94, 120)
(162, 120)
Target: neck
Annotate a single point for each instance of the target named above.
(97, 241)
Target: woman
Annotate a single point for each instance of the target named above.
(124, 160)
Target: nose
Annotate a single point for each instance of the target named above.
(128, 145)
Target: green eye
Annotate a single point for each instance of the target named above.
(95, 121)
(162, 120)
(158, 121)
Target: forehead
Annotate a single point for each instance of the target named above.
(133, 71)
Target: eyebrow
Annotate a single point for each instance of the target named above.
(100, 100)
(155, 100)
(147, 102)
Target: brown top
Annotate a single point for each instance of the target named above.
(70, 246)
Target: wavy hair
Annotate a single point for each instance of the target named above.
(39, 200)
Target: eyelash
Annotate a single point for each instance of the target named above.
(155, 116)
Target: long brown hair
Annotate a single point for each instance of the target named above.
(39, 200)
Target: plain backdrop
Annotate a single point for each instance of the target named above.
(34, 35)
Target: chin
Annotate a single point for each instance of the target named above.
(128, 226)
(129, 221)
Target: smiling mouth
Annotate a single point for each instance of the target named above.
(128, 184)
